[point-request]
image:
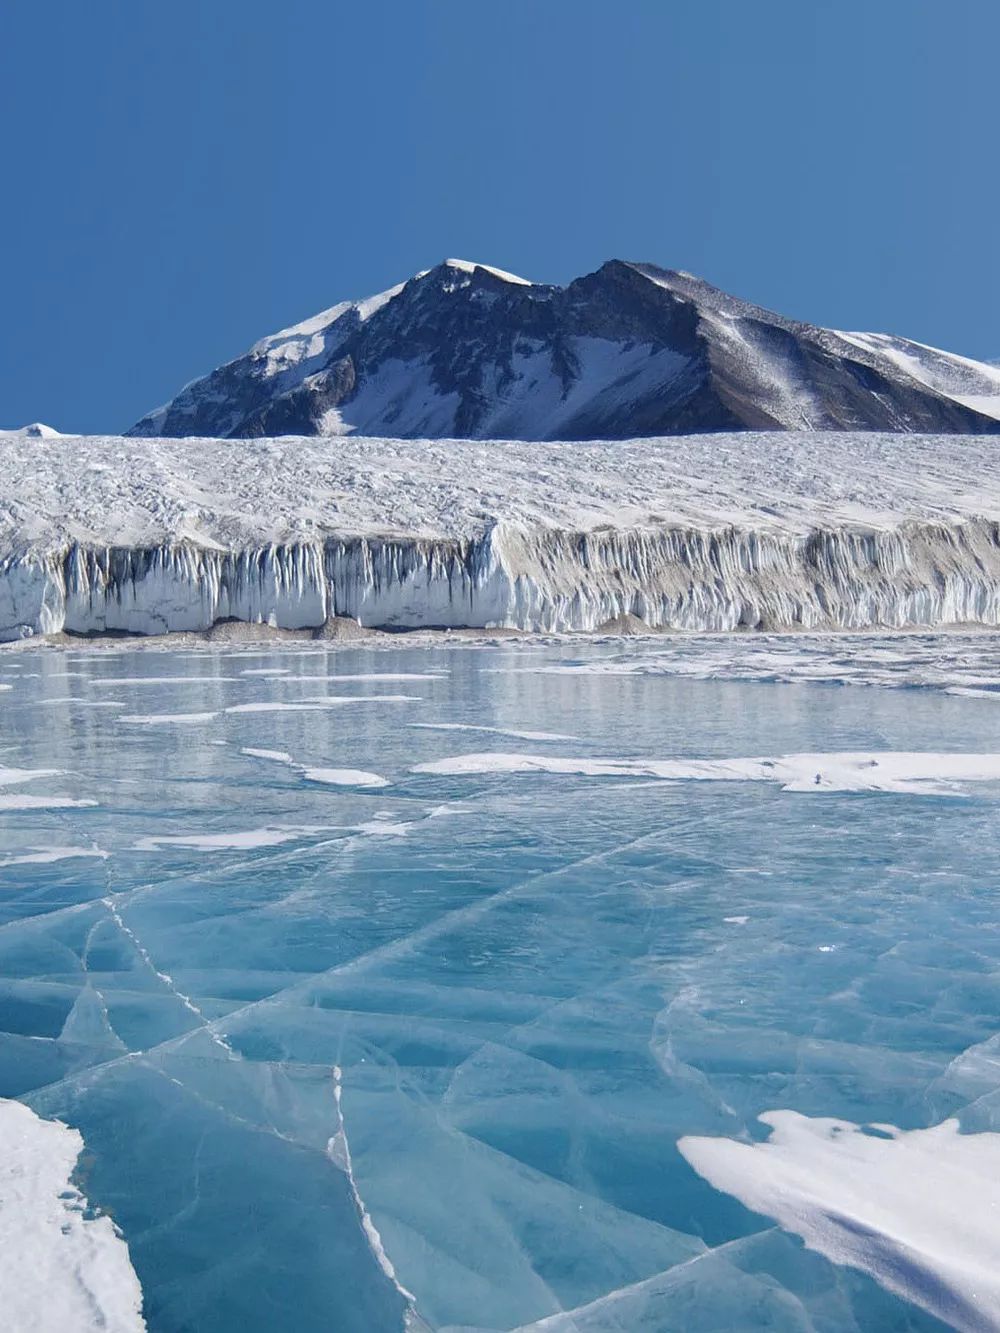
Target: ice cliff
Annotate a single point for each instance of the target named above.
(720, 533)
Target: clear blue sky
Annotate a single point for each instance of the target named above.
(179, 178)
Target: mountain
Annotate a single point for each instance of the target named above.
(469, 351)
(36, 431)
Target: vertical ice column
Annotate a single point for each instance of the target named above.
(31, 597)
(409, 583)
(182, 587)
(528, 578)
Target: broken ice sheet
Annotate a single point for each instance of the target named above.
(529, 1002)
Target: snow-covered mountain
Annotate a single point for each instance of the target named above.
(468, 351)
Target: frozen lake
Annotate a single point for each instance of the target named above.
(383, 983)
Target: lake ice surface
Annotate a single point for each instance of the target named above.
(361, 1037)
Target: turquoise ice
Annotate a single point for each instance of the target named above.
(359, 1041)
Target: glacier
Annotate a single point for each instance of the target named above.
(708, 533)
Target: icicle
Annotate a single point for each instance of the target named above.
(918, 573)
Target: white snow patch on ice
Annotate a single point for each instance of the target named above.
(384, 828)
(916, 1210)
(71, 702)
(240, 839)
(279, 756)
(334, 777)
(160, 680)
(335, 677)
(13, 777)
(321, 702)
(47, 855)
(62, 1271)
(19, 801)
(919, 772)
(166, 719)
(344, 777)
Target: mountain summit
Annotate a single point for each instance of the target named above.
(468, 351)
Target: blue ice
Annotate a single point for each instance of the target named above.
(418, 1055)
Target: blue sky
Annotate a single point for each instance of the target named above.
(178, 179)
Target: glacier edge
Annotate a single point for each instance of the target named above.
(918, 572)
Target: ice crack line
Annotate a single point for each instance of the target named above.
(391, 949)
(339, 1152)
(165, 977)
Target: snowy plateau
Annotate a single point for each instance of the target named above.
(831, 530)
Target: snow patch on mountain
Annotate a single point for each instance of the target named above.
(37, 431)
(975, 384)
(466, 266)
(403, 396)
(467, 350)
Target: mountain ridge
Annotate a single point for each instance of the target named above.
(465, 350)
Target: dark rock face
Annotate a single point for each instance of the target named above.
(466, 351)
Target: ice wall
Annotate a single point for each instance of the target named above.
(913, 573)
